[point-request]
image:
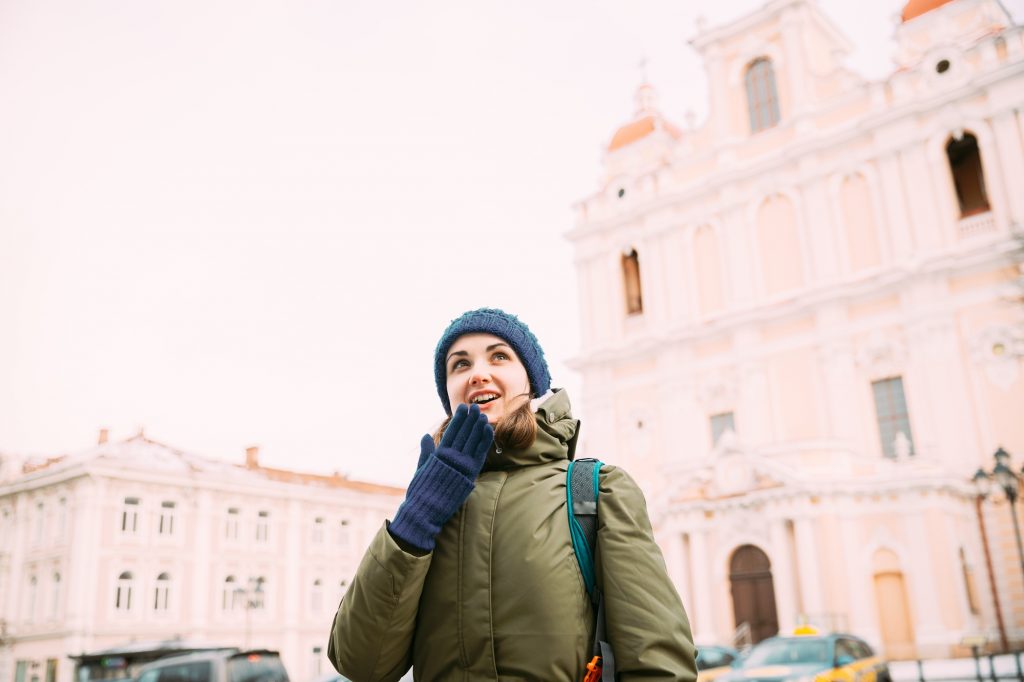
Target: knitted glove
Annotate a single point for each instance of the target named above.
(446, 478)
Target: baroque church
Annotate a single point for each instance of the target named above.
(801, 328)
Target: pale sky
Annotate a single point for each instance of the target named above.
(247, 223)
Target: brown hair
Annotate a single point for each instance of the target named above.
(515, 431)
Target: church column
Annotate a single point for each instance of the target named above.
(808, 558)
(936, 387)
(897, 213)
(841, 385)
(917, 173)
(1011, 163)
(859, 581)
(920, 582)
(703, 616)
(782, 575)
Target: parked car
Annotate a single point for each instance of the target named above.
(811, 657)
(714, 660)
(224, 665)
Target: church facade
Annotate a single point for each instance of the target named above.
(801, 328)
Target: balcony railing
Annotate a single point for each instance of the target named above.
(979, 223)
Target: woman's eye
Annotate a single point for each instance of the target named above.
(500, 356)
(458, 364)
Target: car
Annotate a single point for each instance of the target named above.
(810, 657)
(223, 665)
(714, 660)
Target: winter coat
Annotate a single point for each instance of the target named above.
(501, 596)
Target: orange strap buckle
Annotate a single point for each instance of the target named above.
(594, 670)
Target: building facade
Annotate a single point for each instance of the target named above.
(136, 541)
(802, 327)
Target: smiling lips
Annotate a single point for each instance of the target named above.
(483, 399)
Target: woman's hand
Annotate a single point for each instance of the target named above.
(444, 478)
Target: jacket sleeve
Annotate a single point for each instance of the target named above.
(372, 636)
(646, 624)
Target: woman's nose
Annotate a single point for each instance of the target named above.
(479, 376)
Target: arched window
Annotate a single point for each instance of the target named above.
(161, 595)
(55, 597)
(762, 98)
(228, 596)
(968, 175)
(30, 600)
(631, 281)
(123, 592)
(316, 596)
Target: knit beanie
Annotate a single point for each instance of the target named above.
(505, 326)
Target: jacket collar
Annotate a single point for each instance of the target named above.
(557, 432)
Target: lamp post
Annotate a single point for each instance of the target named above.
(251, 598)
(983, 485)
(1009, 481)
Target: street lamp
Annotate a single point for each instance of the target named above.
(983, 486)
(1009, 481)
(251, 597)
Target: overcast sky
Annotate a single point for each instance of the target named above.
(247, 223)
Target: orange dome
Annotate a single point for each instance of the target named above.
(639, 129)
(915, 8)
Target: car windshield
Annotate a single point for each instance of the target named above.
(788, 652)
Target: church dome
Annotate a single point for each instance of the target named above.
(915, 8)
(646, 120)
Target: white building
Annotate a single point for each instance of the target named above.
(136, 541)
(799, 329)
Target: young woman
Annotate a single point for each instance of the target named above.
(476, 578)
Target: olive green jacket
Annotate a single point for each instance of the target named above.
(501, 596)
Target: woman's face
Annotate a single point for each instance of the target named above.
(484, 370)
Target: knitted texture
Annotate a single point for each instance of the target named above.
(444, 478)
(505, 326)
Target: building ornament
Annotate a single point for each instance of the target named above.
(882, 356)
(998, 350)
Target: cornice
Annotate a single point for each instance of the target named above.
(885, 282)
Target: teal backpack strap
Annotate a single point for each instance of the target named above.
(582, 490)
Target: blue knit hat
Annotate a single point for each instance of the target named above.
(505, 326)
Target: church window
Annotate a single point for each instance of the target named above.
(968, 175)
(893, 418)
(720, 423)
(762, 97)
(631, 280)
(123, 591)
(162, 592)
(130, 516)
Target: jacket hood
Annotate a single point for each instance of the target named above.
(557, 432)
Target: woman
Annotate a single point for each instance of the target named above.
(475, 578)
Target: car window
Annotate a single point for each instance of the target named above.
(198, 671)
(863, 650)
(256, 668)
(788, 652)
(710, 657)
(846, 647)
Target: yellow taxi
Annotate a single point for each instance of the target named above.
(713, 661)
(808, 656)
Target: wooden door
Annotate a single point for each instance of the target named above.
(753, 592)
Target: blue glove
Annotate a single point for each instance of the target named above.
(444, 480)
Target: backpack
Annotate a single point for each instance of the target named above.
(581, 490)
